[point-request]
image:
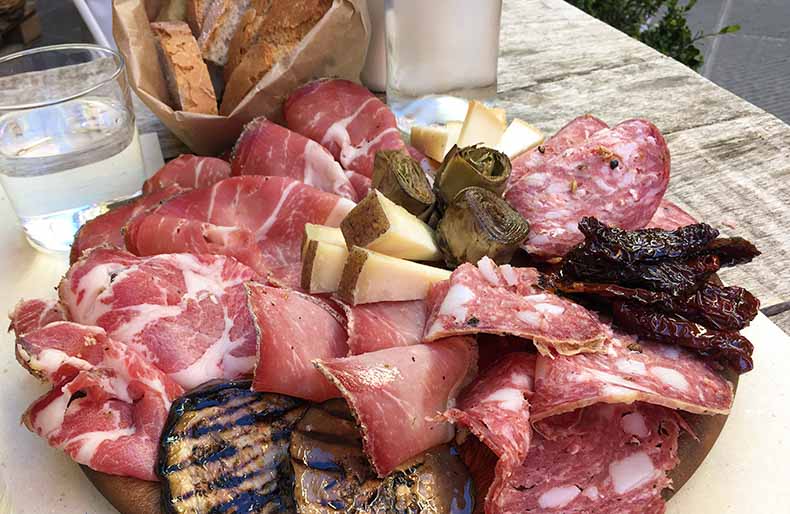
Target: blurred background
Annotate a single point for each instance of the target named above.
(750, 57)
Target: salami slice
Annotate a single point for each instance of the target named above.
(618, 175)
(576, 132)
(293, 329)
(607, 459)
(507, 301)
(377, 326)
(399, 394)
(629, 371)
(495, 406)
(670, 217)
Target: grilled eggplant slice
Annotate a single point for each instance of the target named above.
(333, 475)
(225, 449)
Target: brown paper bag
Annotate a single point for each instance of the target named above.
(335, 47)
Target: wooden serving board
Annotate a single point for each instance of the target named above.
(133, 496)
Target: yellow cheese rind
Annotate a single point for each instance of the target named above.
(519, 137)
(313, 232)
(322, 266)
(379, 224)
(482, 125)
(435, 140)
(370, 277)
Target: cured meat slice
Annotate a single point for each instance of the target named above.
(106, 229)
(618, 175)
(107, 405)
(362, 184)
(186, 314)
(507, 301)
(630, 370)
(670, 217)
(258, 220)
(495, 406)
(188, 172)
(399, 394)
(265, 148)
(608, 459)
(576, 132)
(28, 315)
(351, 122)
(293, 330)
(377, 326)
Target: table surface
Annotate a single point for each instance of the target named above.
(730, 167)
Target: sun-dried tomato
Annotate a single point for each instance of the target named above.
(729, 348)
(732, 250)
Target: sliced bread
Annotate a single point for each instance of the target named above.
(249, 32)
(285, 24)
(222, 19)
(196, 14)
(186, 73)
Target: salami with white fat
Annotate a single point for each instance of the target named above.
(618, 175)
(607, 459)
(507, 301)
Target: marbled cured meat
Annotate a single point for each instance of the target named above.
(28, 315)
(377, 326)
(188, 172)
(107, 229)
(351, 122)
(495, 406)
(265, 148)
(670, 217)
(107, 405)
(608, 459)
(576, 132)
(293, 330)
(399, 394)
(362, 184)
(507, 301)
(618, 175)
(629, 370)
(258, 220)
(186, 314)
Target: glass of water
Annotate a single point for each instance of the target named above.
(68, 142)
(438, 50)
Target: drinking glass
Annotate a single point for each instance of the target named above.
(68, 142)
(440, 49)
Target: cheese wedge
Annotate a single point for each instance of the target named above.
(482, 125)
(501, 114)
(519, 137)
(313, 232)
(322, 266)
(379, 224)
(435, 140)
(370, 277)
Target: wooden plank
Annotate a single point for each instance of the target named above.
(782, 320)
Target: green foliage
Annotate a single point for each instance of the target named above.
(658, 23)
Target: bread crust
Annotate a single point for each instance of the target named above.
(222, 19)
(187, 75)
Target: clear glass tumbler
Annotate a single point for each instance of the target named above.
(68, 141)
(440, 47)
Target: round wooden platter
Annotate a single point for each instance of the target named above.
(133, 496)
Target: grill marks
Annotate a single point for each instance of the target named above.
(225, 450)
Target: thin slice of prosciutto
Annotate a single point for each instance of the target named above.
(265, 148)
(503, 300)
(28, 315)
(381, 325)
(258, 220)
(107, 229)
(187, 314)
(108, 404)
(293, 330)
(188, 172)
(346, 118)
(398, 395)
(608, 459)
